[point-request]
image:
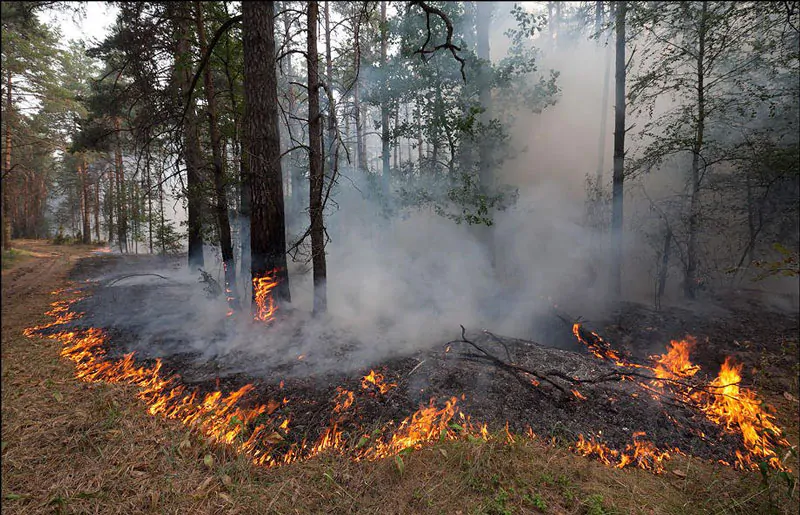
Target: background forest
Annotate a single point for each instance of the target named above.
(417, 160)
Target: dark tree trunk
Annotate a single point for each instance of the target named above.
(689, 283)
(268, 224)
(316, 176)
(109, 199)
(121, 196)
(662, 272)
(221, 208)
(384, 109)
(296, 178)
(84, 175)
(361, 153)
(7, 167)
(191, 147)
(619, 154)
(97, 209)
(484, 12)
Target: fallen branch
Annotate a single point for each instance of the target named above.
(118, 279)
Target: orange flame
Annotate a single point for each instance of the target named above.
(376, 379)
(723, 401)
(641, 453)
(675, 363)
(262, 291)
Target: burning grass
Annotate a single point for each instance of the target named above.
(90, 448)
(264, 433)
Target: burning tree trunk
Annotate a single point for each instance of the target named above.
(316, 176)
(221, 208)
(268, 226)
(619, 154)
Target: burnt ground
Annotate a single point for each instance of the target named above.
(612, 411)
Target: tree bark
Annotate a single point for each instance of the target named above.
(619, 154)
(296, 178)
(361, 154)
(268, 223)
(84, 175)
(689, 282)
(662, 272)
(7, 166)
(121, 197)
(191, 147)
(316, 176)
(385, 151)
(601, 147)
(97, 209)
(221, 207)
(109, 199)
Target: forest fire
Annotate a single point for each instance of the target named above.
(641, 453)
(722, 400)
(262, 292)
(375, 379)
(259, 431)
(262, 430)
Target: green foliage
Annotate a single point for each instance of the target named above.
(167, 240)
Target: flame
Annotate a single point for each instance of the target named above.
(722, 400)
(262, 291)
(376, 379)
(675, 363)
(642, 453)
(259, 431)
(578, 395)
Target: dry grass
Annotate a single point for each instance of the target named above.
(74, 447)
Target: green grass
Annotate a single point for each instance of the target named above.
(14, 256)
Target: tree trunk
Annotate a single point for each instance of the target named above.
(83, 173)
(601, 147)
(662, 272)
(396, 152)
(316, 176)
(486, 176)
(121, 197)
(384, 109)
(619, 155)
(221, 208)
(7, 167)
(191, 147)
(689, 282)
(109, 198)
(361, 155)
(97, 209)
(598, 17)
(268, 223)
(296, 178)
(148, 172)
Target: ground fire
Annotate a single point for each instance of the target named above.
(267, 429)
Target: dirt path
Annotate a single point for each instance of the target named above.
(74, 447)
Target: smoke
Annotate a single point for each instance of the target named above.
(406, 284)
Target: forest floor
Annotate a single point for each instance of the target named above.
(70, 446)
